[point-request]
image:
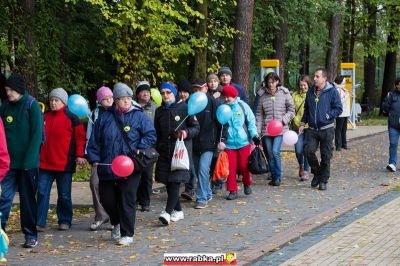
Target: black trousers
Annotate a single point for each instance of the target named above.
(340, 133)
(324, 140)
(145, 186)
(118, 198)
(173, 202)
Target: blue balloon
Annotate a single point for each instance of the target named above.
(78, 105)
(197, 103)
(224, 113)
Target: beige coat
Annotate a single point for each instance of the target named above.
(274, 107)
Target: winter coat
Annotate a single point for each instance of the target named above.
(165, 122)
(65, 141)
(344, 99)
(391, 106)
(299, 99)
(320, 112)
(235, 131)
(150, 110)
(107, 142)
(274, 107)
(24, 128)
(207, 140)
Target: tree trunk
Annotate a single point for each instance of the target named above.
(369, 59)
(200, 57)
(242, 47)
(333, 47)
(280, 39)
(304, 58)
(390, 66)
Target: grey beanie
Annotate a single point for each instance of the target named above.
(122, 90)
(224, 70)
(59, 93)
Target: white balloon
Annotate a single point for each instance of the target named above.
(290, 137)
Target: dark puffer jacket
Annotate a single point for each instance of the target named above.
(165, 121)
(391, 106)
(107, 142)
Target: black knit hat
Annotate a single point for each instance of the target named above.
(184, 85)
(17, 83)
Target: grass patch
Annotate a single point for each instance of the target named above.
(374, 119)
(82, 173)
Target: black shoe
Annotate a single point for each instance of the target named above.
(188, 195)
(275, 183)
(338, 149)
(247, 190)
(315, 182)
(30, 243)
(322, 186)
(232, 195)
(145, 208)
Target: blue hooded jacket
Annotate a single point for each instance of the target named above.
(320, 112)
(106, 141)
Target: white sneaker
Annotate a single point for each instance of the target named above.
(165, 217)
(116, 232)
(125, 241)
(177, 215)
(96, 224)
(391, 167)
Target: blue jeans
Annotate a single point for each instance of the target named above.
(202, 163)
(26, 182)
(64, 202)
(394, 135)
(272, 145)
(299, 149)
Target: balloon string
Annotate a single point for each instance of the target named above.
(220, 136)
(103, 164)
(181, 123)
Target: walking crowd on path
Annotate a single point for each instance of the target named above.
(36, 149)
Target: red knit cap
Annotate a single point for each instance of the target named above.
(230, 91)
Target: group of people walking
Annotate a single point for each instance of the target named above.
(127, 120)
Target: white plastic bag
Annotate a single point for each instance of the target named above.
(180, 158)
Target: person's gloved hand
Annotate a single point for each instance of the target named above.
(256, 141)
(178, 134)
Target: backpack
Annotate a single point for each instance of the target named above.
(257, 163)
(221, 170)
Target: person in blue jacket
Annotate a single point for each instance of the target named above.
(321, 107)
(118, 195)
(238, 133)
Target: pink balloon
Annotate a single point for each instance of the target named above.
(290, 137)
(122, 166)
(274, 128)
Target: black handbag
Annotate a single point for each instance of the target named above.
(257, 163)
(141, 158)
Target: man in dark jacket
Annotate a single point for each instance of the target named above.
(23, 124)
(225, 78)
(321, 107)
(204, 146)
(391, 106)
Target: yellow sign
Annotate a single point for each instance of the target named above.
(348, 65)
(269, 63)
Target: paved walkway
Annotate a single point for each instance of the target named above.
(372, 240)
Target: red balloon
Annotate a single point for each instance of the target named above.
(122, 166)
(274, 128)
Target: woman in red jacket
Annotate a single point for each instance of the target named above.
(4, 157)
(63, 148)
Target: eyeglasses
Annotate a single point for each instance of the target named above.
(165, 92)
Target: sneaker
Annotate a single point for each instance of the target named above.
(116, 232)
(40, 228)
(125, 241)
(165, 217)
(188, 195)
(200, 205)
(177, 215)
(96, 224)
(209, 198)
(304, 177)
(30, 243)
(63, 227)
(247, 190)
(232, 195)
(391, 167)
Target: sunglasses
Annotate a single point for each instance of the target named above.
(165, 92)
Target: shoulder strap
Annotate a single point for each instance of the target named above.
(123, 133)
